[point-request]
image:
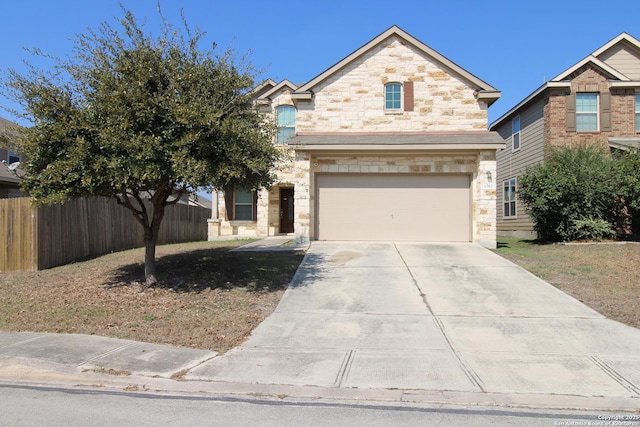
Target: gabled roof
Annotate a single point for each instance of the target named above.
(591, 59)
(623, 37)
(485, 91)
(563, 79)
(276, 87)
(263, 87)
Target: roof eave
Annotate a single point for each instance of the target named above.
(480, 84)
(396, 147)
(533, 95)
(625, 84)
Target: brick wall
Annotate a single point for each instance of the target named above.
(589, 80)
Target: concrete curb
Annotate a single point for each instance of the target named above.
(43, 376)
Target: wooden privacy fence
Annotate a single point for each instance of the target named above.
(39, 237)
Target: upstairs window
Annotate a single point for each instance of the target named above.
(515, 133)
(637, 112)
(587, 112)
(509, 198)
(393, 97)
(286, 123)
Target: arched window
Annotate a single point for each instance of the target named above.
(286, 122)
(393, 96)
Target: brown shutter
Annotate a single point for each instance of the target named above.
(605, 112)
(571, 112)
(228, 203)
(408, 96)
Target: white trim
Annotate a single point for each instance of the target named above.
(595, 61)
(513, 134)
(597, 112)
(514, 200)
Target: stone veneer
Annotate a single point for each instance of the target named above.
(480, 166)
(352, 100)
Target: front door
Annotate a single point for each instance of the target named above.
(286, 210)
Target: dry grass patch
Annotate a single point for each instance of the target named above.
(604, 276)
(209, 297)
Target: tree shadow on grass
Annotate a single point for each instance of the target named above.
(216, 268)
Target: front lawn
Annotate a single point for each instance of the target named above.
(604, 276)
(210, 298)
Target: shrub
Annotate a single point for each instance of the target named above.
(628, 168)
(573, 194)
(592, 229)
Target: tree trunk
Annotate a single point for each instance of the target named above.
(150, 258)
(151, 240)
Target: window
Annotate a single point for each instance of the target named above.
(586, 112)
(637, 112)
(509, 198)
(286, 122)
(243, 205)
(392, 96)
(515, 133)
(12, 157)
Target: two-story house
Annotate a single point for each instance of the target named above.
(390, 143)
(597, 100)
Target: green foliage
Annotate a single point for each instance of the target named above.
(573, 194)
(592, 229)
(129, 114)
(628, 167)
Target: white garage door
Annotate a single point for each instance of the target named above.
(394, 207)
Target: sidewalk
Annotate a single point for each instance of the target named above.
(84, 361)
(355, 325)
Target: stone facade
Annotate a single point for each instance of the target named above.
(351, 100)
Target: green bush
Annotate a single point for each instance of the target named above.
(573, 194)
(628, 168)
(593, 229)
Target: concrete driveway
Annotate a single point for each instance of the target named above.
(448, 317)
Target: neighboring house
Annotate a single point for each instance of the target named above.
(9, 181)
(596, 100)
(390, 143)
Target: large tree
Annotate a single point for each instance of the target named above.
(133, 116)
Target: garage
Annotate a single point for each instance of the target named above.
(393, 207)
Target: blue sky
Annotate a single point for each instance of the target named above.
(514, 46)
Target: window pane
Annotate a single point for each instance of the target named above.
(513, 208)
(243, 196)
(587, 102)
(637, 112)
(284, 134)
(392, 96)
(586, 122)
(516, 125)
(286, 115)
(286, 122)
(516, 141)
(244, 213)
(13, 157)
